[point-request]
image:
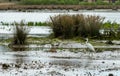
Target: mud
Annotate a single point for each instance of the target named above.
(42, 62)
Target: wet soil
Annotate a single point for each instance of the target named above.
(14, 6)
(63, 62)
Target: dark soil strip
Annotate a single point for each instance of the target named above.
(67, 7)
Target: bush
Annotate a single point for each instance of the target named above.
(20, 34)
(111, 30)
(68, 26)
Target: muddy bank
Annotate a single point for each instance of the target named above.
(67, 7)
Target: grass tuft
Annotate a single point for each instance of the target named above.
(20, 34)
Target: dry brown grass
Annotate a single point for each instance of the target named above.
(69, 26)
(20, 34)
(14, 6)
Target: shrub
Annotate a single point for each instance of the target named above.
(68, 26)
(111, 30)
(20, 34)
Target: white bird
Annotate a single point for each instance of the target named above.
(89, 46)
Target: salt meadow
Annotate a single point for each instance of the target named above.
(46, 55)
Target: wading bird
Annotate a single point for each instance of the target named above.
(89, 46)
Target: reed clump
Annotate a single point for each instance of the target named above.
(69, 26)
(20, 34)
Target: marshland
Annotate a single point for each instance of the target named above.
(52, 42)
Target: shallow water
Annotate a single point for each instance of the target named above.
(40, 61)
(35, 31)
(37, 61)
(36, 16)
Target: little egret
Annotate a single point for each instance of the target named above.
(89, 46)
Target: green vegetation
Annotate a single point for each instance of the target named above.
(48, 2)
(76, 26)
(37, 23)
(72, 26)
(108, 25)
(67, 2)
(69, 26)
(27, 23)
(111, 30)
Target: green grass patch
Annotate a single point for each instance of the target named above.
(27, 23)
(49, 2)
(66, 2)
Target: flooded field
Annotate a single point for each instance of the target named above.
(51, 58)
(43, 15)
(35, 31)
(47, 61)
(62, 62)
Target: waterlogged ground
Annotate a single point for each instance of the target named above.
(34, 31)
(54, 57)
(66, 58)
(57, 62)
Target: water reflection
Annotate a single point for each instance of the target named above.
(4, 48)
(79, 63)
(19, 48)
(36, 31)
(19, 58)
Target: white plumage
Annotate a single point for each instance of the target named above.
(89, 46)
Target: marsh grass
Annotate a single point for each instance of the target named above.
(20, 34)
(69, 26)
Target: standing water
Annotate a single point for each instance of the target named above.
(11, 16)
(63, 62)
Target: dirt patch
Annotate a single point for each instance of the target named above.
(14, 6)
(6, 4)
